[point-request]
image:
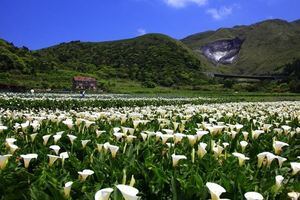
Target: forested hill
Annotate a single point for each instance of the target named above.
(265, 47)
(152, 58)
(155, 59)
(21, 60)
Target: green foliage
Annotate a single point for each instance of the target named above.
(22, 60)
(153, 57)
(268, 45)
(148, 160)
(294, 85)
(292, 70)
(228, 83)
(149, 84)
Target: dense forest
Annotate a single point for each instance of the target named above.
(292, 70)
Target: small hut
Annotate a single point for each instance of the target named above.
(84, 83)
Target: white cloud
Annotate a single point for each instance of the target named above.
(220, 13)
(184, 3)
(141, 31)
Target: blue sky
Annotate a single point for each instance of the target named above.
(41, 23)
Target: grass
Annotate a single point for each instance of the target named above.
(60, 80)
(268, 45)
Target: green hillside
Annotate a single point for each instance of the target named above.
(268, 45)
(150, 59)
(154, 60)
(19, 60)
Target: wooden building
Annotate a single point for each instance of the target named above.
(84, 83)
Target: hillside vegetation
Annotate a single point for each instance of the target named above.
(156, 60)
(268, 45)
(150, 59)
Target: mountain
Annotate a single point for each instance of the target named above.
(152, 57)
(155, 59)
(257, 49)
(18, 67)
(148, 59)
(13, 59)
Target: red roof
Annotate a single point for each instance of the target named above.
(83, 78)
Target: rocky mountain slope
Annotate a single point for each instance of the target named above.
(256, 49)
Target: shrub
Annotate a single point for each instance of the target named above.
(228, 83)
(294, 86)
(148, 84)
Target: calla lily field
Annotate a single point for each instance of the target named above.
(122, 148)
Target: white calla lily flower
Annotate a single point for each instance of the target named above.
(98, 133)
(103, 194)
(200, 134)
(278, 180)
(67, 189)
(144, 136)
(45, 139)
(4, 160)
(243, 144)
(119, 135)
(245, 134)
(113, 149)
(201, 149)
(277, 145)
(286, 129)
(10, 141)
(84, 143)
(32, 136)
(225, 144)
(176, 158)
(294, 195)
(130, 138)
(165, 137)
(241, 158)
(238, 127)
(55, 148)
(256, 133)
(2, 128)
(280, 160)
(269, 157)
(71, 138)
(295, 167)
(253, 196)
(27, 158)
(192, 139)
(68, 123)
(218, 150)
(56, 138)
(52, 159)
(12, 148)
(128, 192)
(85, 173)
(63, 156)
(215, 190)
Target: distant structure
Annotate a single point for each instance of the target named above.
(262, 78)
(84, 83)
